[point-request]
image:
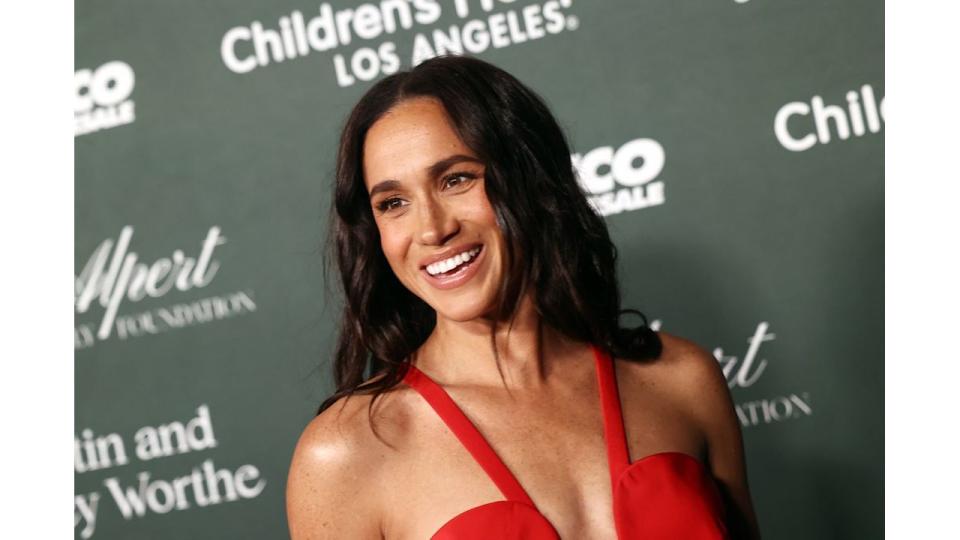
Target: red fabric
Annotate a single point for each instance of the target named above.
(668, 495)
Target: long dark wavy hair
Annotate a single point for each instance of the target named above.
(557, 247)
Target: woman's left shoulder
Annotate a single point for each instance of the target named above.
(684, 370)
(693, 380)
(688, 368)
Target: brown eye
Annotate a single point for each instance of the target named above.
(457, 179)
(389, 204)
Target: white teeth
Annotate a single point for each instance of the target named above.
(446, 265)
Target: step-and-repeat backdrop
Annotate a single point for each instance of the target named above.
(734, 146)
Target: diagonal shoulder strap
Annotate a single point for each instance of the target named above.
(468, 434)
(618, 454)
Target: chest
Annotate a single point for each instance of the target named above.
(553, 445)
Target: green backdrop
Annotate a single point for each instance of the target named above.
(736, 148)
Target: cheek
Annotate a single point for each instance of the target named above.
(394, 243)
(481, 211)
(483, 214)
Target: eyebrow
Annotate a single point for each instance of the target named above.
(432, 171)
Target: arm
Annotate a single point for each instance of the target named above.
(707, 391)
(331, 486)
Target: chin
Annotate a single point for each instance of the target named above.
(461, 313)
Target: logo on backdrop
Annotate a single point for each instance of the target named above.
(482, 26)
(624, 178)
(746, 371)
(800, 126)
(114, 274)
(204, 485)
(102, 97)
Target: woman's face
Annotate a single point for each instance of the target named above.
(437, 229)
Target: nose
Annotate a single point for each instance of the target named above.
(437, 223)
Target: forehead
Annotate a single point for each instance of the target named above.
(406, 140)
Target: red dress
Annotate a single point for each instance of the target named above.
(669, 495)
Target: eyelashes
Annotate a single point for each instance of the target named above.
(464, 177)
(388, 204)
(453, 181)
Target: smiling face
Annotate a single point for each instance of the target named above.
(437, 229)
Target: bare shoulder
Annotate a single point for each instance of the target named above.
(684, 372)
(334, 486)
(692, 380)
(688, 382)
(694, 374)
(695, 378)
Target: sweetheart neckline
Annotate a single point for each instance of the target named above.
(673, 454)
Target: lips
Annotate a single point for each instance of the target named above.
(459, 275)
(447, 253)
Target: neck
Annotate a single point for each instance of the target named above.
(461, 352)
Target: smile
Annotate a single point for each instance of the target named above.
(446, 265)
(454, 271)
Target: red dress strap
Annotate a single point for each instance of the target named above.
(468, 434)
(618, 454)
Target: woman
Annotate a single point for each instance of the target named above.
(504, 398)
